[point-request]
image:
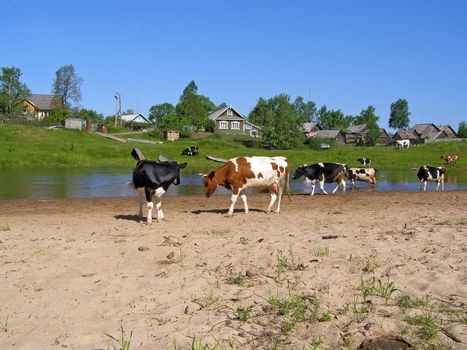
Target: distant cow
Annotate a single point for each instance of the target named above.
(364, 161)
(402, 143)
(238, 174)
(191, 151)
(362, 174)
(323, 172)
(152, 179)
(429, 173)
(450, 158)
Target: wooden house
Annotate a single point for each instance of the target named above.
(383, 138)
(170, 135)
(39, 106)
(356, 133)
(136, 121)
(310, 129)
(448, 131)
(229, 121)
(336, 135)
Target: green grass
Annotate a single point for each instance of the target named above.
(28, 146)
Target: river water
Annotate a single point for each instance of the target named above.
(91, 183)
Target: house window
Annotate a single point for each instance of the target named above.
(235, 125)
(223, 125)
(229, 113)
(247, 126)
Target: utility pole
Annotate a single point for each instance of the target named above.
(118, 108)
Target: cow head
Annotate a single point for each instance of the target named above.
(210, 183)
(299, 172)
(177, 178)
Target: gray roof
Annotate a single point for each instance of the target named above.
(357, 128)
(406, 134)
(135, 118)
(214, 115)
(45, 102)
(327, 134)
(308, 126)
(422, 128)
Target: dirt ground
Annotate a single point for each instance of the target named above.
(327, 272)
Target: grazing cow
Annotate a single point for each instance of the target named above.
(364, 161)
(152, 179)
(238, 174)
(450, 158)
(402, 143)
(323, 172)
(362, 174)
(430, 173)
(191, 151)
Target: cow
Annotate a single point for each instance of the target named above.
(364, 161)
(238, 174)
(323, 172)
(430, 173)
(450, 158)
(402, 143)
(190, 151)
(151, 180)
(362, 174)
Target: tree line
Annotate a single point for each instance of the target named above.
(280, 117)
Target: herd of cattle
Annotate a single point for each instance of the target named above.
(152, 179)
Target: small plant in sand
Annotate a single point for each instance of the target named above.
(4, 227)
(201, 344)
(407, 302)
(4, 325)
(322, 251)
(371, 264)
(207, 300)
(238, 280)
(427, 328)
(243, 314)
(122, 343)
(376, 287)
(281, 266)
(316, 342)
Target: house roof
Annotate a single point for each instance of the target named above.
(383, 130)
(135, 118)
(446, 127)
(421, 129)
(307, 127)
(406, 134)
(436, 134)
(214, 115)
(357, 128)
(44, 102)
(328, 134)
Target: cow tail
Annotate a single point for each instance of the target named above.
(288, 187)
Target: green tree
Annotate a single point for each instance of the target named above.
(67, 84)
(157, 112)
(462, 132)
(333, 119)
(280, 122)
(90, 114)
(12, 91)
(367, 116)
(399, 117)
(194, 107)
(308, 109)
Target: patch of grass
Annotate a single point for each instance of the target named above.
(376, 287)
(219, 232)
(316, 342)
(281, 265)
(427, 328)
(238, 280)
(243, 314)
(371, 264)
(122, 343)
(4, 227)
(207, 300)
(322, 251)
(405, 301)
(201, 344)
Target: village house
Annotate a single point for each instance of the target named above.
(136, 121)
(310, 129)
(229, 121)
(383, 138)
(426, 132)
(39, 106)
(449, 131)
(336, 135)
(356, 133)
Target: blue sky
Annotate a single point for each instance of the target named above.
(344, 54)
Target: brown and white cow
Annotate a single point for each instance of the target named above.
(362, 174)
(450, 158)
(238, 174)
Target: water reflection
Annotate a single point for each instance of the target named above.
(86, 183)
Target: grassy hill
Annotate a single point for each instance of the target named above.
(26, 146)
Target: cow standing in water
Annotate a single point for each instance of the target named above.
(152, 179)
(323, 172)
(362, 174)
(430, 173)
(240, 173)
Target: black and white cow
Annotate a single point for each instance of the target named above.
(152, 179)
(191, 151)
(362, 174)
(323, 172)
(430, 173)
(364, 161)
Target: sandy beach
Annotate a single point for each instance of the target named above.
(352, 267)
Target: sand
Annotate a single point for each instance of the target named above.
(72, 270)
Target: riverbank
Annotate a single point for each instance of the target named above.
(332, 269)
(34, 147)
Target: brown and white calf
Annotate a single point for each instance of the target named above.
(362, 174)
(238, 174)
(450, 158)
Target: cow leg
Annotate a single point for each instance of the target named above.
(160, 215)
(424, 185)
(149, 194)
(321, 186)
(140, 192)
(271, 203)
(279, 199)
(312, 189)
(233, 200)
(245, 204)
(442, 184)
(343, 184)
